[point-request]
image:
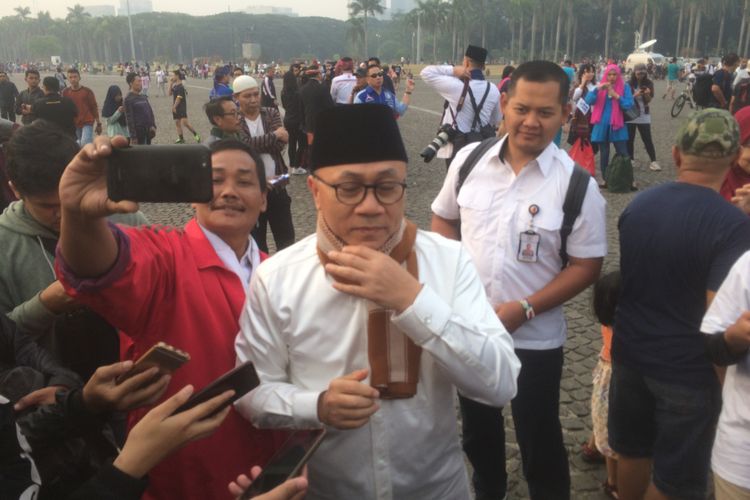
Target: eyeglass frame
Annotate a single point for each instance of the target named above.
(381, 74)
(367, 187)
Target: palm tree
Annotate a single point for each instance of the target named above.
(355, 33)
(76, 18)
(434, 13)
(365, 7)
(607, 29)
(22, 13)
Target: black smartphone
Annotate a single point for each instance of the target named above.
(167, 174)
(287, 462)
(242, 379)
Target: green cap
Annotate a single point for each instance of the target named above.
(707, 127)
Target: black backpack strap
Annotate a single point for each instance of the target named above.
(472, 159)
(579, 182)
(477, 109)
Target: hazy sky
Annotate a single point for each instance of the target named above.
(327, 8)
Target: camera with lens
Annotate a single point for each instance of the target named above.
(445, 134)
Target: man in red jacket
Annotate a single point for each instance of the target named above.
(185, 287)
(88, 111)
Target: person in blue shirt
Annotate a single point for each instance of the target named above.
(608, 100)
(570, 70)
(673, 74)
(374, 93)
(221, 84)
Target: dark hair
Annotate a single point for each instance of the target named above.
(130, 78)
(235, 145)
(606, 293)
(370, 66)
(634, 83)
(583, 68)
(377, 60)
(37, 156)
(74, 71)
(568, 62)
(541, 72)
(731, 59)
(51, 84)
(176, 72)
(3, 73)
(346, 59)
(214, 108)
(31, 72)
(507, 71)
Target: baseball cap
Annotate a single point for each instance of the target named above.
(243, 83)
(706, 127)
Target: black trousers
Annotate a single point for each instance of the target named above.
(8, 113)
(278, 215)
(297, 144)
(538, 432)
(143, 136)
(645, 130)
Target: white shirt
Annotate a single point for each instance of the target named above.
(256, 130)
(730, 457)
(301, 333)
(341, 87)
(740, 75)
(441, 79)
(493, 207)
(243, 267)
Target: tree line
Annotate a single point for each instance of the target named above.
(438, 30)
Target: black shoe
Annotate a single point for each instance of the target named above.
(603, 185)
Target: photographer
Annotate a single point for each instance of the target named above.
(472, 105)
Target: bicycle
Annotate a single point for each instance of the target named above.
(685, 97)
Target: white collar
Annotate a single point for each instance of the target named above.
(545, 160)
(243, 267)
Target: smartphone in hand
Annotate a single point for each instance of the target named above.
(161, 174)
(241, 380)
(287, 462)
(166, 357)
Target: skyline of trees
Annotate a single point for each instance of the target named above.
(510, 29)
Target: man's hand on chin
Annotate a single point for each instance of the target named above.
(373, 275)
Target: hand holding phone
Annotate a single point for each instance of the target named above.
(83, 192)
(163, 356)
(287, 463)
(241, 380)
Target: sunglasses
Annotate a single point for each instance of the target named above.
(376, 75)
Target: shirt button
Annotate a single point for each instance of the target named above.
(428, 319)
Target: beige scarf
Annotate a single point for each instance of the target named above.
(394, 357)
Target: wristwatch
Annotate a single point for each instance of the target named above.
(527, 309)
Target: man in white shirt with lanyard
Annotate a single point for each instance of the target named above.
(368, 325)
(450, 83)
(508, 214)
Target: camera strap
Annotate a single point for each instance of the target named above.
(459, 106)
(476, 122)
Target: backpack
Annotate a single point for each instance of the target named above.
(702, 89)
(741, 95)
(620, 175)
(574, 196)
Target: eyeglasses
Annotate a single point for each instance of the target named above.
(376, 75)
(231, 113)
(354, 193)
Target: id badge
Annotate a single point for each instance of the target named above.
(528, 246)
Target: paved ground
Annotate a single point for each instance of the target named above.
(418, 127)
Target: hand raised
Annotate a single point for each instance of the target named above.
(293, 489)
(348, 403)
(373, 275)
(159, 433)
(83, 186)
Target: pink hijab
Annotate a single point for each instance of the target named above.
(615, 116)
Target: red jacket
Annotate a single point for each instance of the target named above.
(85, 101)
(169, 285)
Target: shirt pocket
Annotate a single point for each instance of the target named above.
(475, 210)
(547, 224)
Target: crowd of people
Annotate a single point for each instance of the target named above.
(371, 327)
